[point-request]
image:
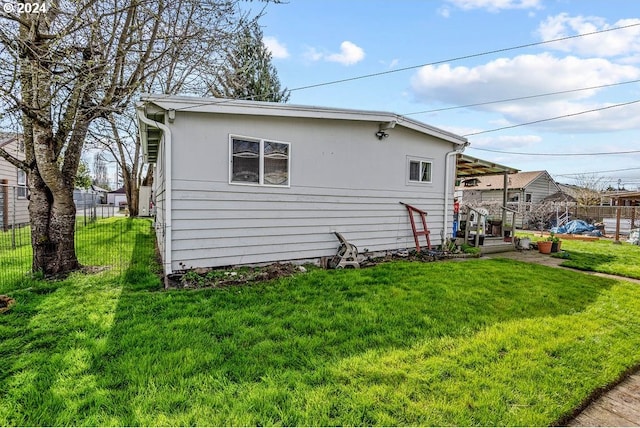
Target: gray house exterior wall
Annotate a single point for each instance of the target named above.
(342, 178)
(14, 205)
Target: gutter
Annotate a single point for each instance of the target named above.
(167, 174)
(447, 173)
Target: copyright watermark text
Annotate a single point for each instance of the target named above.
(20, 7)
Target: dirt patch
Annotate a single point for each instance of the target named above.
(416, 256)
(231, 276)
(242, 275)
(6, 303)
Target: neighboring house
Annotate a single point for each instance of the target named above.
(568, 193)
(523, 190)
(243, 182)
(117, 197)
(89, 198)
(101, 193)
(528, 187)
(13, 185)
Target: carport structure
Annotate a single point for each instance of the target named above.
(625, 199)
(469, 166)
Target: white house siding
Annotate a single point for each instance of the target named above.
(17, 211)
(159, 191)
(342, 179)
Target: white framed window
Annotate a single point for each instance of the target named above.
(259, 162)
(22, 184)
(420, 170)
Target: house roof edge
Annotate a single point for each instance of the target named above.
(262, 108)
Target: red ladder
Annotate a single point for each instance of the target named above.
(416, 233)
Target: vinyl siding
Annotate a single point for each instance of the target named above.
(541, 187)
(17, 211)
(342, 178)
(159, 193)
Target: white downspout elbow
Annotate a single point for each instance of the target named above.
(167, 174)
(447, 175)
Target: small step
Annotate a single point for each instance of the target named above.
(496, 246)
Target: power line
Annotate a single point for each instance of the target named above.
(551, 118)
(528, 45)
(555, 154)
(521, 98)
(596, 172)
(398, 70)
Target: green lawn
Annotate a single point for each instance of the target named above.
(603, 256)
(480, 342)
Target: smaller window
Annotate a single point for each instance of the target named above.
(22, 184)
(419, 171)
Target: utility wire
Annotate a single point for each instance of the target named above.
(521, 98)
(556, 154)
(398, 70)
(596, 172)
(550, 119)
(528, 45)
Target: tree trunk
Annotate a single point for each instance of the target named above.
(52, 229)
(132, 192)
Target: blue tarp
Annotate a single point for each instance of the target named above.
(576, 227)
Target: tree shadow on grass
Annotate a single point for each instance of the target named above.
(590, 262)
(194, 357)
(52, 340)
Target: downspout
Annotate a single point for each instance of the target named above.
(167, 189)
(447, 173)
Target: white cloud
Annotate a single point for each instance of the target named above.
(527, 75)
(312, 54)
(349, 54)
(496, 5)
(444, 11)
(277, 49)
(608, 44)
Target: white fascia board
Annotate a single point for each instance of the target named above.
(260, 108)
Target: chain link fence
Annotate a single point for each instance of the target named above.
(95, 243)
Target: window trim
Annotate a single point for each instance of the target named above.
(261, 158)
(21, 184)
(421, 161)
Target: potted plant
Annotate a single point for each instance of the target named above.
(555, 243)
(545, 246)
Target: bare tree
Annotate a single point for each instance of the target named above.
(71, 64)
(588, 189)
(100, 172)
(233, 52)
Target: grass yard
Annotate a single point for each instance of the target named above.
(99, 243)
(603, 256)
(480, 342)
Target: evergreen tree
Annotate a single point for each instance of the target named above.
(250, 75)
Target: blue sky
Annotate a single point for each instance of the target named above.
(318, 41)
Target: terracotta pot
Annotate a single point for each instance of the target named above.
(544, 247)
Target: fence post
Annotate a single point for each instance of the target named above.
(4, 198)
(13, 223)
